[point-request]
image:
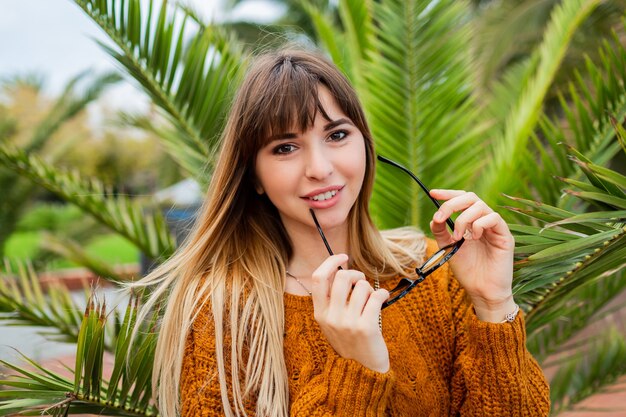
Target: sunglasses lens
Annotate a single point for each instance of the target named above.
(435, 260)
(402, 285)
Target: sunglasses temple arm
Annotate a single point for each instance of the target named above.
(426, 190)
(319, 229)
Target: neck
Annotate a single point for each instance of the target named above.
(309, 250)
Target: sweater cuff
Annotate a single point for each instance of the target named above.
(501, 344)
(356, 390)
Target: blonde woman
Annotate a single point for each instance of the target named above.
(261, 320)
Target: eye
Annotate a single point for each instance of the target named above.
(338, 135)
(283, 149)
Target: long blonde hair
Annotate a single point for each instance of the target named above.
(235, 256)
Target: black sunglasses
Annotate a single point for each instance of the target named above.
(433, 263)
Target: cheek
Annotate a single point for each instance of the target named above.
(358, 165)
(272, 179)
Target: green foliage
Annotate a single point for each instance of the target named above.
(22, 302)
(602, 362)
(52, 217)
(414, 67)
(190, 79)
(122, 215)
(17, 192)
(127, 393)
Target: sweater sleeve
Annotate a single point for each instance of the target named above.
(344, 388)
(494, 374)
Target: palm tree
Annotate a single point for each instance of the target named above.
(17, 192)
(413, 65)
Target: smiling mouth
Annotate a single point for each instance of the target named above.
(324, 196)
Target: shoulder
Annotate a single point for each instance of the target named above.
(407, 243)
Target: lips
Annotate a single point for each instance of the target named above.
(324, 197)
(320, 191)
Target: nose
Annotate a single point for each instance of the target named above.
(318, 164)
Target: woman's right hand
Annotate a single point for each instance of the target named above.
(349, 320)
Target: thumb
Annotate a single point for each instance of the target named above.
(441, 233)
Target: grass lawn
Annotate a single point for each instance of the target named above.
(112, 249)
(22, 245)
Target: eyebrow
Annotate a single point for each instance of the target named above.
(330, 125)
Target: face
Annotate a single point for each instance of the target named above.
(322, 168)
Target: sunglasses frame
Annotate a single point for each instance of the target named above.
(409, 283)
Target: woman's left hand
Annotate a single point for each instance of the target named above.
(484, 264)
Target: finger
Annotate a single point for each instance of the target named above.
(441, 233)
(341, 287)
(373, 306)
(492, 222)
(321, 280)
(441, 194)
(463, 223)
(358, 298)
(458, 203)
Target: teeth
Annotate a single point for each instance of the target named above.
(324, 196)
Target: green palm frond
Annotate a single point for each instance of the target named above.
(592, 101)
(570, 250)
(186, 157)
(147, 231)
(407, 58)
(584, 308)
(505, 32)
(356, 17)
(68, 105)
(525, 114)
(419, 65)
(17, 192)
(594, 369)
(128, 392)
(190, 77)
(334, 41)
(23, 302)
(73, 251)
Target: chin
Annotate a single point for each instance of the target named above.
(331, 220)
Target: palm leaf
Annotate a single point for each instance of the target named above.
(23, 303)
(587, 107)
(127, 393)
(75, 252)
(146, 231)
(558, 260)
(18, 192)
(408, 120)
(584, 308)
(524, 116)
(600, 366)
(190, 77)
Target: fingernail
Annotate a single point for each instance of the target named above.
(439, 216)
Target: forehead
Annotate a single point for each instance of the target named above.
(332, 110)
(296, 116)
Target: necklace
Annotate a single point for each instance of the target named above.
(299, 282)
(376, 287)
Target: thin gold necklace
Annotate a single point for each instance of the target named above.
(299, 282)
(376, 287)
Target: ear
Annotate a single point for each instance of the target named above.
(258, 187)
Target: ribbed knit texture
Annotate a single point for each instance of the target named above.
(444, 362)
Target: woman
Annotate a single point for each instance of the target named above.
(260, 320)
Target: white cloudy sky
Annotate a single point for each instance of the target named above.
(54, 38)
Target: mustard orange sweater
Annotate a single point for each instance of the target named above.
(444, 362)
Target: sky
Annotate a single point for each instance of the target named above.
(54, 38)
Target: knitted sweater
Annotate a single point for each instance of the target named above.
(444, 362)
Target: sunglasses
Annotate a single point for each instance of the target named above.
(433, 263)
